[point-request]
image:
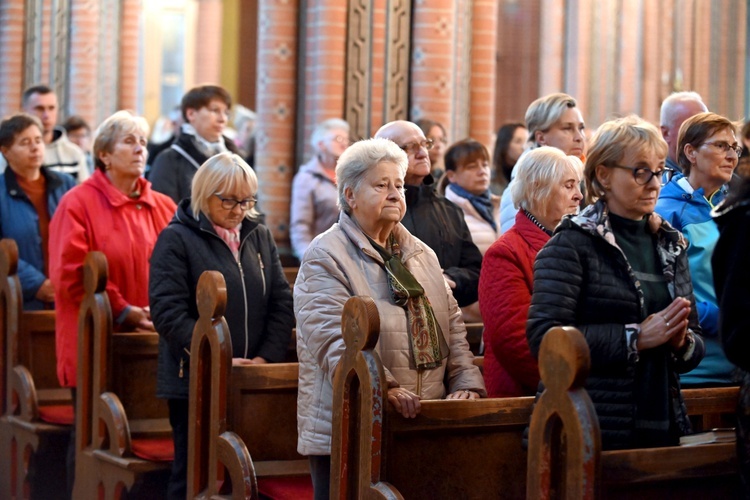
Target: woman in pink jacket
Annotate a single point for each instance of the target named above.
(546, 188)
(115, 212)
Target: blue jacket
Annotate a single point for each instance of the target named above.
(19, 220)
(690, 212)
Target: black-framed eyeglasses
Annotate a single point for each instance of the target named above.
(230, 203)
(413, 147)
(643, 175)
(724, 147)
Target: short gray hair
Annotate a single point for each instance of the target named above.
(105, 137)
(538, 172)
(358, 158)
(322, 128)
(221, 173)
(665, 114)
(546, 111)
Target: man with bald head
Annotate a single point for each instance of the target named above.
(676, 108)
(436, 221)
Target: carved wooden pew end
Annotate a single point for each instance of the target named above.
(123, 436)
(37, 413)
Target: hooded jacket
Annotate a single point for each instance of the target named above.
(688, 211)
(19, 220)
(339, 264)
(583, 279)
(259, 301)
(96, 216)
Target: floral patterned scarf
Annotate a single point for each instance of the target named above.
(428, 346)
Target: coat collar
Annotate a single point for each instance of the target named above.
(14, 189)
(407, 242)
(101, 183)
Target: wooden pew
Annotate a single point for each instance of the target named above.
(452, 449)
(290, 273)
(565, 456)
(261, 409)
(37, 414)
(123, 437)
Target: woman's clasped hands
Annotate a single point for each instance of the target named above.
(668, 325)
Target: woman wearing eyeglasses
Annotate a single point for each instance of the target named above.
(619, 273)
(708, 151)
(215, 229)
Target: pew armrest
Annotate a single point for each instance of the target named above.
(24, 395)
(232, 454)
(115, 436)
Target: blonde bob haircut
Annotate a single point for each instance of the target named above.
(359, 158)
(538, 173)
(222, 173)
(121, 123)
(545, 112)
(610, 143)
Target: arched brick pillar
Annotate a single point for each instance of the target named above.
(83, 96)
(325, 66)
(11, 54)
(129, 34)
(276, 111)
(208, 42)
(433, 60)
(483, 71)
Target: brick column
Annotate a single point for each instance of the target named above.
(551, 54)
(129, 38)
(11, 54)
(433, 60)
(208, 42)
(483, 71)
(84, 52)
(276, 108)
(325, 57)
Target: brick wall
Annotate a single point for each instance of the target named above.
(11, 55)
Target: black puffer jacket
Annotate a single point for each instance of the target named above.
(582, 279)
(440, 224)
(259, 301)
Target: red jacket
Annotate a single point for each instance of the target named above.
(96, 216)
(505, 286)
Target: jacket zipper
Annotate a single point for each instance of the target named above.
(242, 280)
(262, 273)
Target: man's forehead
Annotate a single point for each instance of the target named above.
(42, 100)
(406, 132)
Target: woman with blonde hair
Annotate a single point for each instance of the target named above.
(216, 230)
(553, 120)
(619, 273)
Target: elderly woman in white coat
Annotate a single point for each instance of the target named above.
(361, 255)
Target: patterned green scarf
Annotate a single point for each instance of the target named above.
(428, 346)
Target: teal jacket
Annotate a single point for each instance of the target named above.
(689, 211)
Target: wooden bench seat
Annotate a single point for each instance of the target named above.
(123, 437)
(565, 455)
(452, 449)
(37, 414)
(253, 412)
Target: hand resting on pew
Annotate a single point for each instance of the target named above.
(46, 292)
(257, 360)
(139, 318)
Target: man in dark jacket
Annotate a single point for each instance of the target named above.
(205, 110)
(433, 219)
